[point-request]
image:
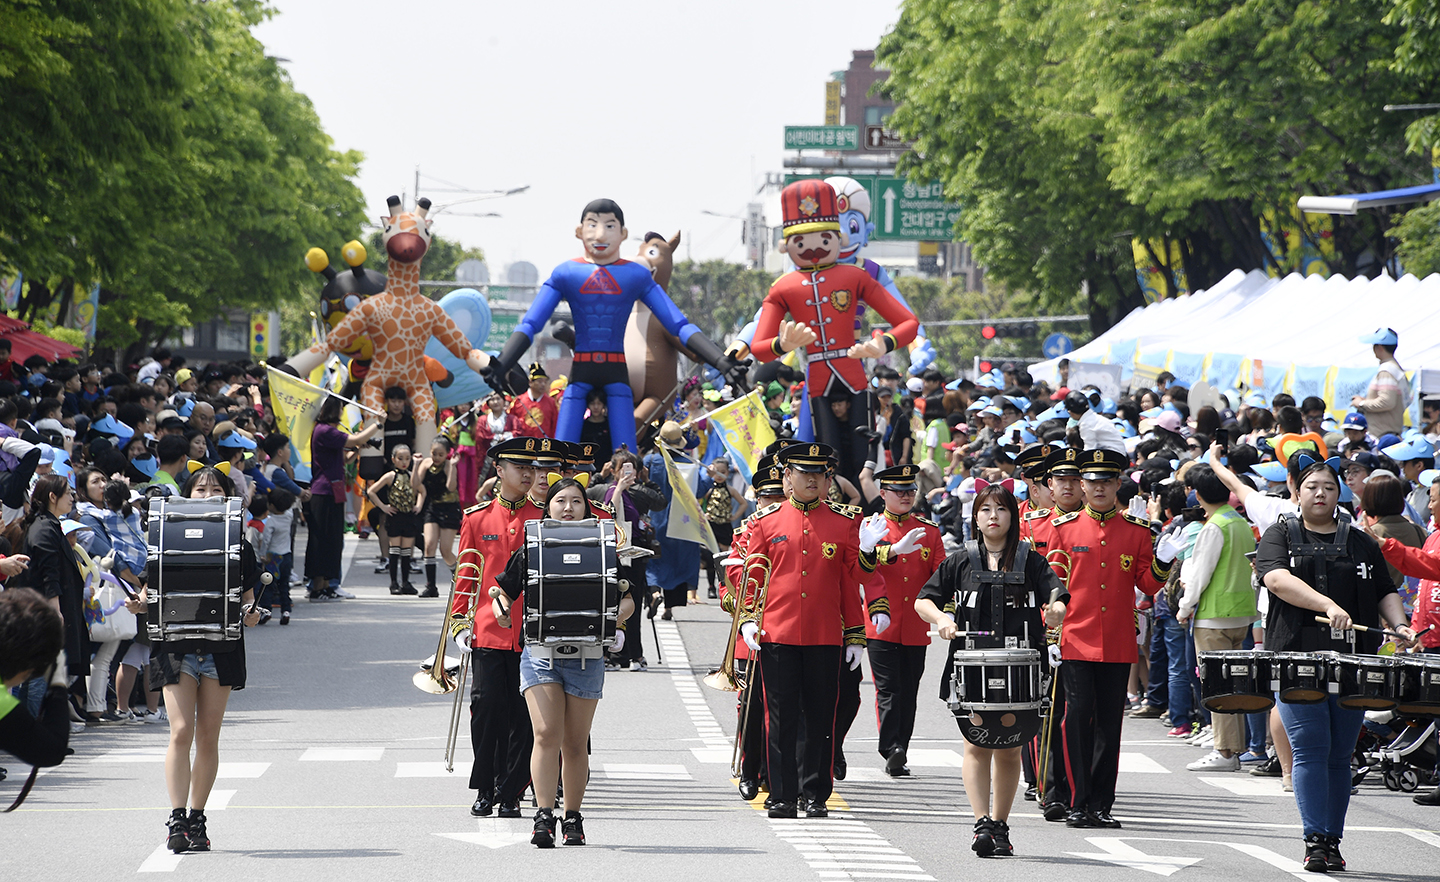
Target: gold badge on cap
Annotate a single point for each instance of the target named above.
(808, 206)
(814, 449)
(1070, 455)
(544, 444)
(530, 444)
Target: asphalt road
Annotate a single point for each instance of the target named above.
(332, 770)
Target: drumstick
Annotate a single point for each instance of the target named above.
(963, 633)
(265, 579)
(1324, 621)
(496, 593)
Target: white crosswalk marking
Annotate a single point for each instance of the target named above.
(1246, 785)
(241, 770)
(847, 848)
(422, 770)
(161, 860)
(941, 758)
(645, 772)
(219, 800)
(342, 754)
(717, 746)
(1139, 763)
(133, 755)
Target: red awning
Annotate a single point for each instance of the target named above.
(25, 342)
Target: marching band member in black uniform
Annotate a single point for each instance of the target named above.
(196, 676)
(562, 693)
(965, 579)
(897, 656)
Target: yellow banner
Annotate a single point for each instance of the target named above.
(686, 522)
(744, 427)
(296, 403)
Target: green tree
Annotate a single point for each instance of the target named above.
(441, 259)
(718, 297)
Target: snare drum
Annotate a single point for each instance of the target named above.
(996, 696)
(1236, 681)
(1368, 682)
(1419, 685)
(1303, 677)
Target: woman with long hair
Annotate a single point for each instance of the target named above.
(328, 443)
(561, 693)
(55, 569)
(1354, 588)
(436, 474)
(957, 584)
(197, 676)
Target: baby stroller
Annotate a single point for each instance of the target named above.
(1407, 759)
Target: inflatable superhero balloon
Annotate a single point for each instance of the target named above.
(471, 313)
(856, 229)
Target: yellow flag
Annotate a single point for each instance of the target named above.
(744, 427)
(296, 403)
(686, 522)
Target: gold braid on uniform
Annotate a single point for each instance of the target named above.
(855, 635)
(878, 605)
(870, 560)
(1160, 571)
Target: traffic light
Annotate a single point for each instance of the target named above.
(986, 367)
(1009, 329)
(988, 332)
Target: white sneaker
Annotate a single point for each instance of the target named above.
(77, 728)
(1206, 740)
(161, 717)
(148, 716)
(345, 594)
(1215, 761)
(1199, 735)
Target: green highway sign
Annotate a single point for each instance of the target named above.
(822, 137)
(502, 325)
(905, 211)
(902, 210)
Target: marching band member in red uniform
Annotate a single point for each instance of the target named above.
(536, 410)
(769, 484)
(500, 731)
(1029, 467)
(1104, 555)
(822, 297)
(897, 659)
(816, 549)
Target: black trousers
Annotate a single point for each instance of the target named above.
(897, 669)
(752, 747)
(800, 684)
(1057, 786)
(851, 447)
(1094, 711)
(847, 706)
(500, 732)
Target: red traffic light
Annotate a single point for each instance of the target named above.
(985, 366)
(988, 332)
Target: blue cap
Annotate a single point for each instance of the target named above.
(237, 441)
(1427, 477)
(63, 471)
(184, 406)
(1058, 412)
(1274, 472)
(1205, 459)
(47, 454)
(1181, 383)
(146, 465)
(1017, 402)
(954, 384)
(1152, 413)
(1389, 439)
(993, 379)
(1124, 428)
(978, 403)
(1412, 432)
(108, 425)
(1329, 424)
(1355, 420)
(36, 379)
(70, 526)
(1382, 337)
(1026, 436)
(1415, 448)
(1256, 399)
(990, 410)
(1107, 406)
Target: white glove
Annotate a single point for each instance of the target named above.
(1054, 655)
(852, 656)
(619, 642)
(872, 530)
(881, 622)
(909, 542)
(462, 641)
(1167, 548)
(951, 617)
(750, 632)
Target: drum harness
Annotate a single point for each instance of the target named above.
(1313, 560)
(998, 581)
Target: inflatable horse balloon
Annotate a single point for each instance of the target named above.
(652, 353)
(399, 322)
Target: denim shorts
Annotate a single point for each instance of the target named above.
(197, 666)
(586, 682)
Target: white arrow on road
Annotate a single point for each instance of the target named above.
(889, 197)
(494, 833)
(1119, 852)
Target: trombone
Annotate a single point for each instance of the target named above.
(437, 680)
(748, 605)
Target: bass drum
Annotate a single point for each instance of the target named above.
(997, 730)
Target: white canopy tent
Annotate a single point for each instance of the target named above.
(1297, 334)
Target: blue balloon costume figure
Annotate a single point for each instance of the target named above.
(601, 288)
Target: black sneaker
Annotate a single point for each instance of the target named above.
(1001, 832)
(409, 590)
(1333, 861)
(395, 589)
(1030, 795)
(544, 835)
(199, 839)
(430, 591)
(510, 808)
(574, 828)
(984, 843)
(1317, 851)
(179, 839)
(1268, 769)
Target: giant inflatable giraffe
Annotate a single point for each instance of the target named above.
(399, 321)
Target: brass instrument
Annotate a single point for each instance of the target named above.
(749, 605)
(437, 680)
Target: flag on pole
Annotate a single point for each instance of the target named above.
(744, 428)
(686, 522)
(296, 404)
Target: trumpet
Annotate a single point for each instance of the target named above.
(748, 605)
(437, 680)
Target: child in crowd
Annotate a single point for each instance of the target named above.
(278, 558)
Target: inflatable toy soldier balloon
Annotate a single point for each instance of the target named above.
(822, 297)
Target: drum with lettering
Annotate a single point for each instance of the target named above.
(1236, 681)
(572, 590)
(997, 695)
(1304, 677)
(1368, 682)
(1418, 692)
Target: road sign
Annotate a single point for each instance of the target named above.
(501, 327)
(822, 138)
(903, 210)
(832, 103)
(1057, 345)
(881, 138)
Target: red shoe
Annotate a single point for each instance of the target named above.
(1181, 732)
